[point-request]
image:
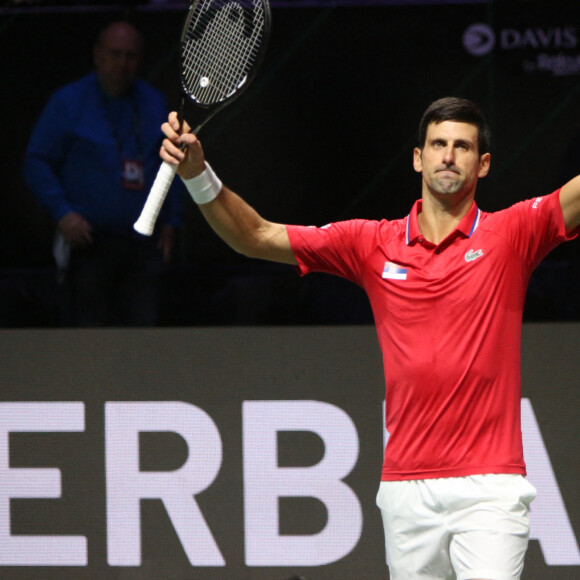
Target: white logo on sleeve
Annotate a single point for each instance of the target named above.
(538, 200)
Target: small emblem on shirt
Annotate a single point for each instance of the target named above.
(394, 271)
(473, 255)
(536, 203)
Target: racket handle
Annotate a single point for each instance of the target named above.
(146, 222)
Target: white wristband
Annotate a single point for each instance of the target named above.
(205, 187)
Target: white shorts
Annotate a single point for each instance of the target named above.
(456, 528)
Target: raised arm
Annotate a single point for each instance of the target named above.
(234, 220)
(570, 202)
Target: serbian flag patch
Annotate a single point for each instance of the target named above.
(394, 271)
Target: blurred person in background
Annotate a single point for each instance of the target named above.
(91, 160)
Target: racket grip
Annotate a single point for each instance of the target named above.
(146, 222)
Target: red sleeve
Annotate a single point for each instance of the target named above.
(535, 227)
(339, 248)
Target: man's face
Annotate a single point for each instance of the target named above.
(117, 58)
(449, 160)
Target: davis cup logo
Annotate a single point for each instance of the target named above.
(479, 39)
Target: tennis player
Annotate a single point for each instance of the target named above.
(447, 285)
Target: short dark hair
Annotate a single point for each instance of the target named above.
(460, 110)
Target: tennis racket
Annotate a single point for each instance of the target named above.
(222, 46)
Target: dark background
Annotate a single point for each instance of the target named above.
(325, 133)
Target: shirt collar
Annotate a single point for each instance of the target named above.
(466, 226)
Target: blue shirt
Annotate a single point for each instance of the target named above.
(76, 152)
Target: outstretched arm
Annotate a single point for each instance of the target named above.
(234, 220)
(570, 202)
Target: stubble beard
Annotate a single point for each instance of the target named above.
(447, 185)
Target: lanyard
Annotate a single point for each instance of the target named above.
(107, 104)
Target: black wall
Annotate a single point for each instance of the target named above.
(325, 133)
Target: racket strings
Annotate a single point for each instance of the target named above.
(225, 56)
(222, 59)
(215, 65)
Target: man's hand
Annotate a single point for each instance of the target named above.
(182, 148)
(76, 230)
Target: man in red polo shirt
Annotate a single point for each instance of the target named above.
(447, 286)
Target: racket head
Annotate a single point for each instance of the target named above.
(223, 43)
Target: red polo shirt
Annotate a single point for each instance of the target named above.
(448, 320)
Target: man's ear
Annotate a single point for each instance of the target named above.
(417, 161)
(484, 163)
